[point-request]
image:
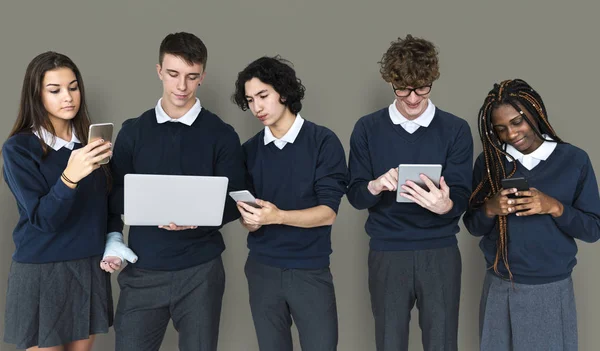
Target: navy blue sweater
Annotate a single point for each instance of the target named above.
(56, 223)
(541, 248)
(209, 147)
(376, 145)
(310, 172)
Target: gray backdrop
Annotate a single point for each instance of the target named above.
(335, 46)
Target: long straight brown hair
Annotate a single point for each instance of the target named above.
(33, 116)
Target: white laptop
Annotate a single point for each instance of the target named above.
(152, 200)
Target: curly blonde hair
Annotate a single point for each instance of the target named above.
(410, 62)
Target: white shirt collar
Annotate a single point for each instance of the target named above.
(423, 120)
(533, 159)
(187, 119)
(289, 137)
(55, 142)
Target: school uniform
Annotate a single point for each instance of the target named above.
(288, 267)
(414, 257)
(536, 311)
(57, 292)
(178, 276)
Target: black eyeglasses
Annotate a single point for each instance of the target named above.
(404, 92)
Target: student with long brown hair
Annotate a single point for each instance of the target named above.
(58, 296)
(528, 236)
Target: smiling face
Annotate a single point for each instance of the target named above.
(413, 105)
(512, 128)
(60, 95)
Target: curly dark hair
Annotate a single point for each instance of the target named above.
(276, 72)
(410, 62)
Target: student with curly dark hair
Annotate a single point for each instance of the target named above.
(414, 255)
(297, 170)
(529, 240)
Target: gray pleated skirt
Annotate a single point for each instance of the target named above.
(524, 317)
(51, 304)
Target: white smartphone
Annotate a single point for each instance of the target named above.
(412, 172)
(244, 196)
(101, 131)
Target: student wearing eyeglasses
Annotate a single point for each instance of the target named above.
(414, 257)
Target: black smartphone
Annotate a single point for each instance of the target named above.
(520, 183)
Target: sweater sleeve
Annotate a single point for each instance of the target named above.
(230, 163)
(331, 175)
(458, 171)
(581, 218)
(120, 164)
(47, 209)
(360, 170)
(475, 219)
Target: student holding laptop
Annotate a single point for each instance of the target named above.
(297, 170)
(179, 274)
(414, 255)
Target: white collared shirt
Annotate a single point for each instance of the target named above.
(411, 126)
(531, 160)
(187, 119)
(289, 137)
(55, 142)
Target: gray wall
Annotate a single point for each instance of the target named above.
(335, 46)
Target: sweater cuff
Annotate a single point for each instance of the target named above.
(563, 221)
(369, 198)
(62, 191)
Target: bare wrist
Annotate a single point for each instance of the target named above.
(450, 205)
(558, 209)
(487, 212)
(69, 176)
(281, 215)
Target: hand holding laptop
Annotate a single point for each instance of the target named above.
(174, 227)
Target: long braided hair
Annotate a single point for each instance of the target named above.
(521, 96)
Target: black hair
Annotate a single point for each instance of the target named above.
(276, 72)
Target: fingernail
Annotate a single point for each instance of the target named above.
(517, 194)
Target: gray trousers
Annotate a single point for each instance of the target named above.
(431, 278)
(277, 295)
(191, 297)
(523, 317)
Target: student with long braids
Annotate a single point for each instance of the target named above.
(529, 240)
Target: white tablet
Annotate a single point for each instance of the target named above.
(153, 200)
(412, 172)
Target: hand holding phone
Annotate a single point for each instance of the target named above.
(244, 196)
(101, 131)
(519, 183)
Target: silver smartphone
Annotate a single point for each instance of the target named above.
(412, 172)
(244, 196)
(101, 131)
